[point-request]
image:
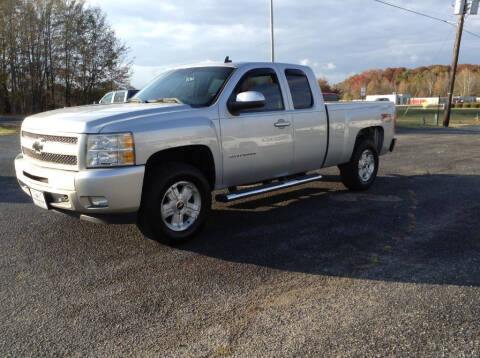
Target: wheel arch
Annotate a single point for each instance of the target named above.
(199, 156)
(374, 133)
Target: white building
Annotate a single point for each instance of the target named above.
(397, 98)
(431, 101)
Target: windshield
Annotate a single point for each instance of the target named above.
(198, 86)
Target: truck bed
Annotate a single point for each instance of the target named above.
(347, 117)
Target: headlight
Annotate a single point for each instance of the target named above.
(109, 150)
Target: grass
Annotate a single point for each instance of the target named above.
(7, 129)
(419, 117)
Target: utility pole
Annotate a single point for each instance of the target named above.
(271, 31)
(461, 8)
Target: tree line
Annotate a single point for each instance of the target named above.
(431, 81)
(56, 53)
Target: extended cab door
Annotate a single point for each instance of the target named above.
(257, 144)
(309, 119)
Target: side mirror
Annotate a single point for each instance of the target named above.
(247, 100)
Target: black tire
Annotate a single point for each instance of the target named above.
(157, 183)
(350, 173)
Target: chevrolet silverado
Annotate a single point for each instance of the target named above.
(243, 128)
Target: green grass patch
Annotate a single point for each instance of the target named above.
(419, 117)
(8, 129)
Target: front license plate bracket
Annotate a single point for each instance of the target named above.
(38, 198)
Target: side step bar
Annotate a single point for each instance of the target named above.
(240, 194)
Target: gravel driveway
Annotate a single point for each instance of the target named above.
(309, 271)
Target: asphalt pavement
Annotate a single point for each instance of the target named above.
(309, 271)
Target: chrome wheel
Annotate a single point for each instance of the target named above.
(181, 206)
(366, 165)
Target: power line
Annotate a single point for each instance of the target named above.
(414, 12)
(471, 33)
(461, 10)
(425, 15)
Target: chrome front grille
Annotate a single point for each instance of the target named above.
(51, 157)
(51, 138)
(55, 151)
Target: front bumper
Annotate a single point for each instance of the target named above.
(71, 191)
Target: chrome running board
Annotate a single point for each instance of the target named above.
(244, 193)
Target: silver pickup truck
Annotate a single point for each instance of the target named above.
(247, 128)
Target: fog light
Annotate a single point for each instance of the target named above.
(98, 201)
(59, 198)
(62, 199)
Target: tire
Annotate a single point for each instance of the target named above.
(176, 201)
(360, 173)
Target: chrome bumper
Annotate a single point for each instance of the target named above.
(70, 190)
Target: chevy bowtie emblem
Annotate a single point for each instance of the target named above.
(37, 146)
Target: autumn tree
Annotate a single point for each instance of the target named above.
(326, 87)
(441, 85)
(419, 82)
(465, 82)
(56, 53)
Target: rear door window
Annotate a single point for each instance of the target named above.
(299, 88)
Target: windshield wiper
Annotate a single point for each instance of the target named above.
(135, 100)
(165, 100)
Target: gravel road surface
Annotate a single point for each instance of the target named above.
(306, 272)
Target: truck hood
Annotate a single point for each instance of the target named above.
(92, 118)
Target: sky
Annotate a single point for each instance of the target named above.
(337, 38)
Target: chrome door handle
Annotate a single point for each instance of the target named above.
(281, 123)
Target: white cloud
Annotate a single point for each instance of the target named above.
(331, 66)
(141, 75)
(173, 32)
